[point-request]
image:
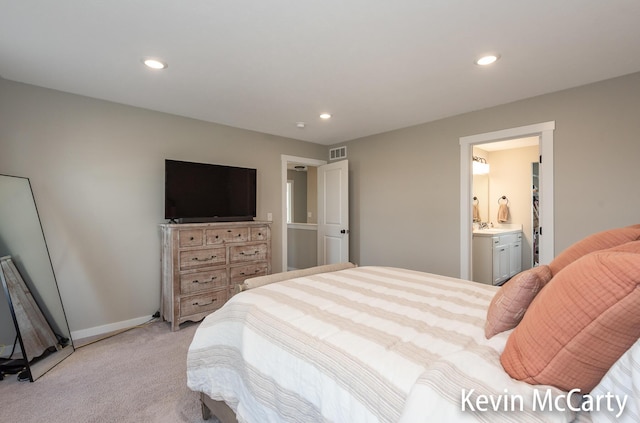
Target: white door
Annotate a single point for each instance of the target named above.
(333, 213)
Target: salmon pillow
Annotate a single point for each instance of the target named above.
(514, 297)
(580, 323)
(598, 241)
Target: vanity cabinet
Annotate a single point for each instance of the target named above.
(496, 256)
(202, 262)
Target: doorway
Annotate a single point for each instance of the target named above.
(299, 229)
(508, 173)
(544, 131)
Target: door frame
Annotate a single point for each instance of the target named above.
(285, 160)
(544, 131)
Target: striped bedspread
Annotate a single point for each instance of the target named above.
(368, 344)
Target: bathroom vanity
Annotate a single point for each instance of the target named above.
(497, 254)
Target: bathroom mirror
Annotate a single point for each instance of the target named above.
(22, 239)
(481, 196)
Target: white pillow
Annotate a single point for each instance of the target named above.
(623, 378)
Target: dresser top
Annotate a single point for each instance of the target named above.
(215, 224)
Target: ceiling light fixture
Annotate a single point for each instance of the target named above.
(325, 116)
(154, 64)
(487, 60)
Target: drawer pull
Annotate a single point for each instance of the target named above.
(228, 230)
(204, 305)
(204, 259)
(250, 254)
(191, 239)
(255, 271)
(210, 280)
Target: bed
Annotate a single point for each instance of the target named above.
(372, 344)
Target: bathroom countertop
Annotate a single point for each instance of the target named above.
(495, 231)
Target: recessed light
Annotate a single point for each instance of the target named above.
(300, 125)
(487, 60)
(154, 64)
(325, 116)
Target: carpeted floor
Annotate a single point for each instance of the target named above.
(135, 376)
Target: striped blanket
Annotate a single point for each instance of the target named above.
(368, 344)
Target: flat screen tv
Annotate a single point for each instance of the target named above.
(200, 192)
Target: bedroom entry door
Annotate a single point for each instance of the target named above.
(333, 213)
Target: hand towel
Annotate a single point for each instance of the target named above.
(503, 213)
(476, 213)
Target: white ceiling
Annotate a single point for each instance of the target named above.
(376, 65)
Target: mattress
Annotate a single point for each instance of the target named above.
(366, 344)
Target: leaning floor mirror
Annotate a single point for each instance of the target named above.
(34, 334)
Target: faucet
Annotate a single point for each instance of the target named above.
(483, 225)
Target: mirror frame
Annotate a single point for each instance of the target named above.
(44, 362)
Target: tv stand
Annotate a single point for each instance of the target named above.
(202, 263)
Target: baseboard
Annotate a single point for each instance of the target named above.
(111, 327)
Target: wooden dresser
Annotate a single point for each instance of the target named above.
(202, 263)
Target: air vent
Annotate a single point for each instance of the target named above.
(338, 153)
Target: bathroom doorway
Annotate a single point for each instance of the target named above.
(544, 132)
(507, 178)
(299, 212)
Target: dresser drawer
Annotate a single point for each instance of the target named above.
(253, 252)
(203, 302)
(193, 259)
(190, 238)
(240, 273)
(259, 233)
(203, 281)
(220, 236)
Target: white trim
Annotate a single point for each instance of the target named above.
(111, 327)
(285, 159)
(545, 133)
(511, 133)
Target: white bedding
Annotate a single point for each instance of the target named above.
(362, 345)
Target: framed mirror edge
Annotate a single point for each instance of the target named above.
(38, 366)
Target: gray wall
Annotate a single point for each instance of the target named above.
(405, 184)
(97, 172)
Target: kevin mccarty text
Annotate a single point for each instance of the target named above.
(544, 400)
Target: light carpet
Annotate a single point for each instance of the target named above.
(135, 376)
